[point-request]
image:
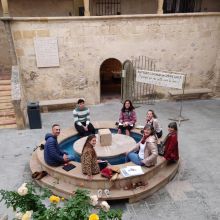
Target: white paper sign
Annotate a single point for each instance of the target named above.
(160, 78)
(132, 171)
(46, 50)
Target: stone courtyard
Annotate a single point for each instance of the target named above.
(194, 193)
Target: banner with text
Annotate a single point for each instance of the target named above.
(160, 78)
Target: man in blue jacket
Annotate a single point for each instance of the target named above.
(53, 155)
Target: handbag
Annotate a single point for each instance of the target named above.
(102, 164)
(106, 172)
(160, 148)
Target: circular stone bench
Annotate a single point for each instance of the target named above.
(65, 183)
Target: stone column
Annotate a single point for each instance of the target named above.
(159, 6)
(86, 8)
(5, 8)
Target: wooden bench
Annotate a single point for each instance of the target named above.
(47, 105)
(190, 93)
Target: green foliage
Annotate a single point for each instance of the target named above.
(31, 201)
(75, 208)
(111, 214)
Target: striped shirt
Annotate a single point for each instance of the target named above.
(81, 116)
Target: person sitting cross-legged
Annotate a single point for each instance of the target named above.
(82, 122)
(127, 118)
(53, 155)
(145, 153)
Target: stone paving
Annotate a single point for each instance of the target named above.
(194, 193)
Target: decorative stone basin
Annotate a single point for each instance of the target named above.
(120, 144)
(64, 183)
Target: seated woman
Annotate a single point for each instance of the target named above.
(127, 118)
(152, 120)
(89, 160)
(145, 153)
(171, 152)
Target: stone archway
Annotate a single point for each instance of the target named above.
(110, 78)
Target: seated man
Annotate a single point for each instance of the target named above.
(53, 155)
(82, 122)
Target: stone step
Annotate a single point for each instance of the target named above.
(65, 183)
(7, 121)
(159, 180)
(5, 82)
(7, 113)
(76, 177)
(6, 100)
(6, 97)
(5, 106)
(5, 93)
(5, 76)
(8, 126)
(5, 87)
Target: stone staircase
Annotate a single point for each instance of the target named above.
(64, 183)
(7, 114)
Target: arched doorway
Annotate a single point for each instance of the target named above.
(110, 78)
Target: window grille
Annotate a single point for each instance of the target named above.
(182, 6)
(108, 7)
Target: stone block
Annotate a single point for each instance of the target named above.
(29, 34)
(105, 137)
(19, 52)
(17, 35)
(43, 33)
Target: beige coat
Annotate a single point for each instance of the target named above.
(150, 151)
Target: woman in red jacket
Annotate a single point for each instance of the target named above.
(171, 152)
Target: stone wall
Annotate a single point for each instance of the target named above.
(185, 43)
(33, 8)
(23, 8)
(5, 61)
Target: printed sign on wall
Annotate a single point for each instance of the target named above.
(46, 50)
(160, 78)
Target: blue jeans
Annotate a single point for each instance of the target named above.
(134, 157)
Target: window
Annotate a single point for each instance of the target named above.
(182, 6)
(108, 7)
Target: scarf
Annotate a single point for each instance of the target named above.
(128, 113)
(143, 140)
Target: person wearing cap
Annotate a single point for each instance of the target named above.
(81, 117)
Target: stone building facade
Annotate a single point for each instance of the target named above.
(188, 43)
